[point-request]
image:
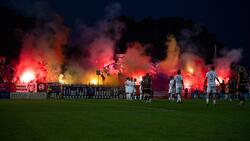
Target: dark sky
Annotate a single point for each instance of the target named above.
(229, 20)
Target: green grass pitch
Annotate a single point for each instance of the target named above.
(115, 120)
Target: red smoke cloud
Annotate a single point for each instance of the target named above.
(136, 63)
(193, 66)
(42, 54)
(42, 51)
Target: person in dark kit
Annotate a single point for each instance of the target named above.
(142, 84)
(232, 85)
(185, 93)
(196, 92)
(241, 98)
(223, 88)
(241, 88)
(148, 88)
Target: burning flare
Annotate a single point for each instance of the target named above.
(93, 81)
(27, 76)
(60, 79)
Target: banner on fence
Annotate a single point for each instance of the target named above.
(22, 87)
(41, 87)
(76, 91)
(54, 87)
(28, 95)
(90, 91)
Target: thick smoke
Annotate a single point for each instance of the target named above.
(193, 70)
(42, 49)
(192, 66)
(185, 40)
(136, 62)
(184, 55)
(171, 63)
(97, 45)
(93, 49)
(223, 64)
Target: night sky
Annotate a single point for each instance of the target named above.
(229, 20)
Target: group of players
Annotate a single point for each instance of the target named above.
(176, 86)
(130, 88)
(145, 88)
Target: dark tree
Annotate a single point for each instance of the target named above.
(12, 30)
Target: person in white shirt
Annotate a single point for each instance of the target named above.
(171, 89)
(127, 83)
(131, 88)
(211, 76)
(179, 86)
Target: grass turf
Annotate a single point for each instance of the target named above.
(108, 120)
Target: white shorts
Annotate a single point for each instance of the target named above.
(126, 89)
(211, 89)
(178, 90)
(171, 91)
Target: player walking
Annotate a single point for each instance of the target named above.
(179, 86)
(127, 85)
(130, 88)
(211, 87)
(148, 88)
(171, 89)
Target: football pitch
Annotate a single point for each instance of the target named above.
(115, 120)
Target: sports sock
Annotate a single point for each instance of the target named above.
(178, 98)
(214, 101)
(207, 100)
